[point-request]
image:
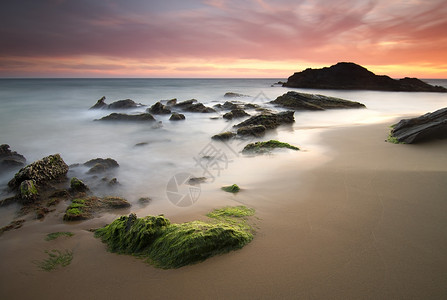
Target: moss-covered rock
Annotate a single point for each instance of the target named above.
(77, 185)
(84, 208)
(223, 136)
(266, 147)
(167, 245)
(231, 188)
(28, 191)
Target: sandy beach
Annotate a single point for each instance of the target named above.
(370, 223)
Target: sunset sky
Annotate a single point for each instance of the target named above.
(220, 38)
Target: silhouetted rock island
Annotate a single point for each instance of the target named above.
(350, 76)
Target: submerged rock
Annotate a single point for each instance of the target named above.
(350, 76)
(145, 117)
(99, 165)
(177, 117)
(426, 127)
(194, 106)
(303, 101)
(100, 104)
(234, 95)
(269, 120)
(253, 130)
(159, 109)
(235, 113)
(223, 136)
(10, 159)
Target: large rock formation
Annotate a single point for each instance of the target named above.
(302, 101)
(350, 76)
(42, 172)
(429, 126)
(120, 104)
(125, 117)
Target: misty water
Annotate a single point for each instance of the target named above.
(39, 117)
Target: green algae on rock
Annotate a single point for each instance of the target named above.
(55, 235)
(167, 245)
(231, 188)
(83, 208)
(265, 147)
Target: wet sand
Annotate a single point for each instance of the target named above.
(371, 223)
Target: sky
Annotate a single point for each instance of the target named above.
(220, 38)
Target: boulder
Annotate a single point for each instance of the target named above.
(78, 186)
(234, 95)
(84, 208)
(28, 191)
(120, 104)
(159, 109)
(177, 117)
(194, 106)
(269, 120)
(350, 76)
(266, 147)
(10, 159)
(235, 113)
(254, 130)
(171, 102)
(303, 101)
(426, 127)
(43, 172)
(144, 117)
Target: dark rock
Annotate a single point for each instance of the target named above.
(84, 208)
(100, 104)
(177, 117)
(100, 165)
(124, 117)
(266, 147)
(235, 113)
(171, 102)
(113, 182)
(141, 144)
(230, 105)
(10, 159)
(254, 130)
(426, 127)
(16, 224)
(113, 202)
(144, 200)
(223, 136)
(77, 185)
(124, 104)
(43, 171)
(192, 106)
(269, 120)
(350, 76)
(159, 109)
(302, 101)
(196, 180)
(234, 95)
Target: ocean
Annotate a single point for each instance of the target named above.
(39, 117)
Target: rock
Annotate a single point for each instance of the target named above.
(16, 224)
(43, 171)
(269, 120)
(113, 182)
(124, 104)
(350, 76)
(84, 208)
(77, 185)
(146, 117)
(99, 165)
(28, 191)
(231, 188)
(144, 201)
(196, 180)
(192, 106)
(100, 104)
(234, 95)
(120, 104)
(224, 136)
(177, 117)
(171, 102)
(266, 147)
(303, 101)
(426, 127)
(230, 105)
(159, 109)
(235, 113)
(254, 130)
(10, 159)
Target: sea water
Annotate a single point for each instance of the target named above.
(39, 117)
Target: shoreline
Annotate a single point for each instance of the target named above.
(369, 222)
